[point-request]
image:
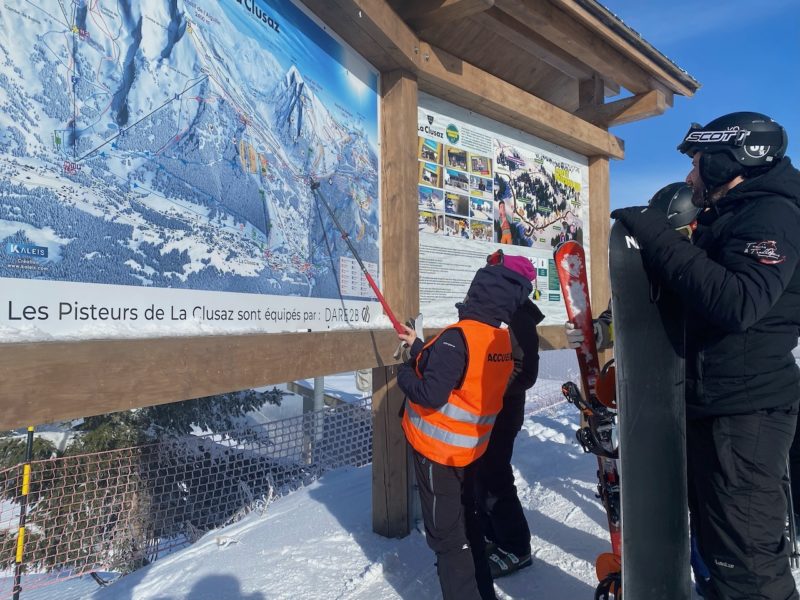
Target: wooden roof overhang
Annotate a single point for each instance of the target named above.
(544, 66)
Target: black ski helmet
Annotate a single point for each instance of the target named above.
(675, 200)
(740, 143)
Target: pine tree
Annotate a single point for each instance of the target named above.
(127, 479)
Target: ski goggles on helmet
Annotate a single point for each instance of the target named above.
(687, 230)
(700, 139)
(495, 258)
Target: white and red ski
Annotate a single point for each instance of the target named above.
(597, 435)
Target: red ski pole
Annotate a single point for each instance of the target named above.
(395, 323)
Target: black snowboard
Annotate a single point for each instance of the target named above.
(649, 356)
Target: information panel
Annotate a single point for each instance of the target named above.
(155, 160)
(483, 186)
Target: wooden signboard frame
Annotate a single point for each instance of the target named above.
(44, 382)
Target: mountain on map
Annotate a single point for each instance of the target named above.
(153, 143)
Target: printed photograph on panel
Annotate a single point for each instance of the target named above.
(430, 151)
(455, 158)
(455, 226)
(430, 174)
(430, 198)
(457, 204)
(480, 209)
(456, 181)
(482, 231)
(540, 198)
(431, 222)
(480, 165)
(481, 186)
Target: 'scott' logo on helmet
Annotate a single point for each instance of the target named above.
(718, 137)
(756, 151)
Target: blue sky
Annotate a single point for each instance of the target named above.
(746, 56)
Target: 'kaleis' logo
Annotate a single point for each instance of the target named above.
(452, 134)
(29, 250)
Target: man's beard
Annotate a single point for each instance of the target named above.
(698, 196)
(704, 197)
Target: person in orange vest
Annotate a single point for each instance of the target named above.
(454, 388)
(505, 226)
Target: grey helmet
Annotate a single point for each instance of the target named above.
(675, 200)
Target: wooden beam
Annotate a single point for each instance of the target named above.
(452, 79)
(372, 28)
(400, 236)
(377, 32)
(576, 40)
(474, 43)
(599, 227)
(400, 242)
(575, 11)
(422, 14)
(390, 490)
(44, 382)
(591, 91)
(516, 32)
(627, 110)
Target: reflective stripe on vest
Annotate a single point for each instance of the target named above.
(458, 432)
(448, 437)
(459, 414)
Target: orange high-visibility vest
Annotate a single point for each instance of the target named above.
(457, 433)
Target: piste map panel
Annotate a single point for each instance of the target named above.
(168, 145)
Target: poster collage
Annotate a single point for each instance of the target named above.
(456, 191)
(482, 186)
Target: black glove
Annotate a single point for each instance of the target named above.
(643, 223)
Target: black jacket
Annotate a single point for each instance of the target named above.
(739, 281)
(524, 348)
(493, 298)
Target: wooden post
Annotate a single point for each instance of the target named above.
(600, 224)
(400, 274)
(389, 457)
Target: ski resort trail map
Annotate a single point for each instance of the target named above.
(169, 144)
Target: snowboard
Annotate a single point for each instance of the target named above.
(649, 357)
(596, 434)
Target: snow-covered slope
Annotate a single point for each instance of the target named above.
(317, 543)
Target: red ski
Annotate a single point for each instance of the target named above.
(597, 434)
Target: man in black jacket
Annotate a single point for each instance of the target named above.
(739, 282)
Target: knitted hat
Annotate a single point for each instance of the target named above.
(520, 265)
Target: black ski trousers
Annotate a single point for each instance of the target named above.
(502, 518)
(736, 468)
(794, 471)
(453, 530)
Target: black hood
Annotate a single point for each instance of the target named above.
(781, 180)
(494, 295)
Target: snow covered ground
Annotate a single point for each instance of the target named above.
(317, 543)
